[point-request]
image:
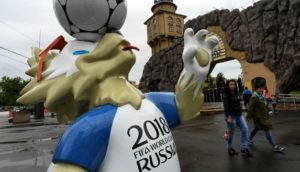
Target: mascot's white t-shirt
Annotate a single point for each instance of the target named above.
(123, 139)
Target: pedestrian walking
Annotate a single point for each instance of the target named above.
(261, 119)
(234, 117)
(274, 103)
(268, 99)
(246, 97)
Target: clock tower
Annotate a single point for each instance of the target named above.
(164, 25)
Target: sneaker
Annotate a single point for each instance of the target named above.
(232, 152)
(246, 153)
(278, 148)
(270, 113)
(250, 143)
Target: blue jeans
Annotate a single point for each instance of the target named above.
(242, 124)
(268, 135)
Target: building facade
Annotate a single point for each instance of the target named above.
(164, 25)
(266, 50)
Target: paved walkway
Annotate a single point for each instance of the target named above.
(201, 148)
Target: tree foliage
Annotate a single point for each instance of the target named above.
(10, 90)
(221, 80)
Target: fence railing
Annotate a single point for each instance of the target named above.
(212, 95)
(288, 99)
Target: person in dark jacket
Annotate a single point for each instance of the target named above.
(234, 117)
(258, 112)
(246, 96)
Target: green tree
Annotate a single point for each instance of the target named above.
(10, 90)
(220, 80)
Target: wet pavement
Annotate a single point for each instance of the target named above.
(28, 147)
(201, 148)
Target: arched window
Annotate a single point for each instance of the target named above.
(171, 24)
(178, 26)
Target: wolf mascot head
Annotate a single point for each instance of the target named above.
(99, 77)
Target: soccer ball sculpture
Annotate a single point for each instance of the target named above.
(89, 19)
(114, 127)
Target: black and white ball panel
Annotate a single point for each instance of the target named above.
(63, 2)
(112, 4)
(88, 16)
(117, 18)
(87, 36)
(60, 14)
(79, 17)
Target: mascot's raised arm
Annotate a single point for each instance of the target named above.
(115, 127)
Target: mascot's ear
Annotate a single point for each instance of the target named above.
(33, 61)
(59, 43)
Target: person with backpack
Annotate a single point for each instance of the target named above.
(257, 110)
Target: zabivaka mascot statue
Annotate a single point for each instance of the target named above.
(115, 127)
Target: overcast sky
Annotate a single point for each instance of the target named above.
(22, 20)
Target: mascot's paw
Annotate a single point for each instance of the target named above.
(197, 51)
(197, 60)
